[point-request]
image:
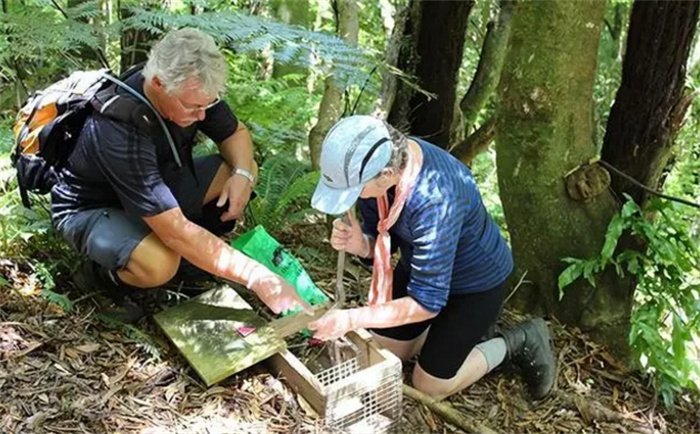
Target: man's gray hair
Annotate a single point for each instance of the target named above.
(187, 53)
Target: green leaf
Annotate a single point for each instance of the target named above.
(633, 265)
(629, 208)
(615, 228)
(568, 276)
(679, 337)
(588, 268)
(667, 395)
(61, 300)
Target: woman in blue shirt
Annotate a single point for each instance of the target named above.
(442, 299)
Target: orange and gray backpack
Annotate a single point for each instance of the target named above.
(47, 127)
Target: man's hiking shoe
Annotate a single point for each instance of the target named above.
(91, 277)
(530, 347)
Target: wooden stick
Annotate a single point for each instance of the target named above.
(446, 411)
(288, 325)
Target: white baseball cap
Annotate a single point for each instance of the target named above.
(354, 151)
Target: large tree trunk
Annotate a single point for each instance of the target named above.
(390, 80)
(434, 35)
(331, 107)
(650, 104)
(544, 130)
(294, 12)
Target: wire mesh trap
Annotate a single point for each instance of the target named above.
(361, 394)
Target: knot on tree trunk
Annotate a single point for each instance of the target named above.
(586, 182)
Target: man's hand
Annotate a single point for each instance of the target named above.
(237, 191)
(350, 237)
(332, 325)
(277, 294)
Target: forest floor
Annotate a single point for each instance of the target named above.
(71, 372)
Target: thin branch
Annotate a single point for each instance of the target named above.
(644, 187)
(447, 412)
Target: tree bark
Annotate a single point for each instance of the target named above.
(393, 48)
(488, 71)
(432, 49)
(545, 130)
(651, 103)
(331, 107)
(476, 143)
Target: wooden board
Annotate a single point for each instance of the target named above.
(205, 331)
(289, 325)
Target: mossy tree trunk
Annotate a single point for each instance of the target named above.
(544, 130)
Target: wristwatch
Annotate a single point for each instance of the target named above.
(244, 173)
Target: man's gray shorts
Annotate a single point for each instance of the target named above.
(109, 235)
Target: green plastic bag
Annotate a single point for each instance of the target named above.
(264, 248)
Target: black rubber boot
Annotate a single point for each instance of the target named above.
(530, 347)
(92, 277)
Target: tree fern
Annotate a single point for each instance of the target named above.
(250, 34)
(85, 11)
(45, 274)
(298, 193)
(285, 188)
(44, 33)
(36, 36)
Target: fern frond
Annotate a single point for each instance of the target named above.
(58, 299)
(85, 11)
(142, 339)
(285, 187)
(300, 190)
(249, 34)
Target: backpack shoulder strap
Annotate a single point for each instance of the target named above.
(132, 71)
(110, 103)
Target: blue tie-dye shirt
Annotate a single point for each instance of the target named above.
(445, 235)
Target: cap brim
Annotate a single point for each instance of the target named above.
(334, 201)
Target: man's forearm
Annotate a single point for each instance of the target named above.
(237, 150)
(404, 310)
(206, 251)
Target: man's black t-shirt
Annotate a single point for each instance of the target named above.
(116, 165)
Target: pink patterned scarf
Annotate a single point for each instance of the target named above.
(382, 276)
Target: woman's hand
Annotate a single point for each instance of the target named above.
(333, 324)
(349, 237)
